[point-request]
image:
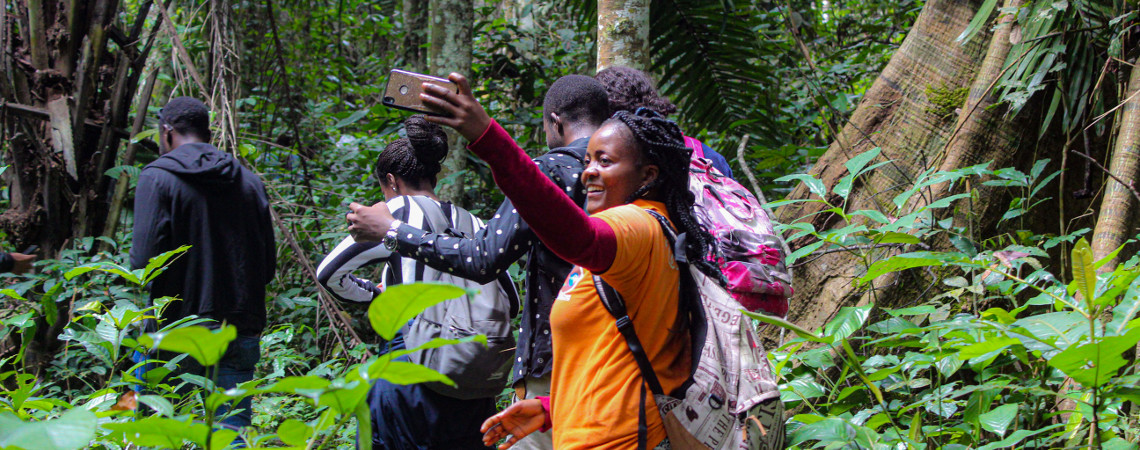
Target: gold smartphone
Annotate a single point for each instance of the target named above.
(404, 89)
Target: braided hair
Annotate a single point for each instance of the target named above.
(629, 89)
(416, 158)
(661, 144)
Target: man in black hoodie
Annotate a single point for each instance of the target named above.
(196, 195)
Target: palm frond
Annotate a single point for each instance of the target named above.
(710, 57)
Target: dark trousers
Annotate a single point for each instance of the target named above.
(235, 367)
(414, 417)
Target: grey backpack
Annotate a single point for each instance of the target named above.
(478, 370)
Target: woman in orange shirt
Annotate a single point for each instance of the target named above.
(635, 163)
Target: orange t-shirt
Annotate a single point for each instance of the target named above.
(595, 383)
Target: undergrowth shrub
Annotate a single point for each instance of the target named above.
(1004, 353)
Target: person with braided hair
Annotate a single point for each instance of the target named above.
(630, 89)
(635, 163)
(411, 416)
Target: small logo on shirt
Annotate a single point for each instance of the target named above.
(571, 280)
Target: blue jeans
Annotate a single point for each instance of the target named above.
(236, 366)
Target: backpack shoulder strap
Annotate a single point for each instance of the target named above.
(616, 306)
(435, 217)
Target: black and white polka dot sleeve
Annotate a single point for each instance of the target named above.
(481, 258)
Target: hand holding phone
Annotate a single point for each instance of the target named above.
(404, 88)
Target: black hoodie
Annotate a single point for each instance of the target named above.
(199, 196)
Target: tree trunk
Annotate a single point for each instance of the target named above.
(1116, 222)
(451, 35)
(623, 34)
(904, 113)
(415, 35)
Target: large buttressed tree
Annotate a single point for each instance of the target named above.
(975, 82)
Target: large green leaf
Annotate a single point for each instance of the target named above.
(400, 303)
(1096, 363)
(848, 320)
(998, 420)
(170, 433)
(296, 433)
(1084, 274)
(201, 343)
(399, 372)
(73, 429)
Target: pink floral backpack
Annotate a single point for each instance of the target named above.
(752, 254)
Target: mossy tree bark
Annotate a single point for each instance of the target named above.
(904, 114)
(451, 35)
(623, 33)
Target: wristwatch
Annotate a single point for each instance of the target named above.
(390, 238)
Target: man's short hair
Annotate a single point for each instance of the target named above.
(187, 116)
(577, 98)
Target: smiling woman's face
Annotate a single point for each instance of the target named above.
(614, 168)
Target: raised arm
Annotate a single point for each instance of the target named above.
(557, 221)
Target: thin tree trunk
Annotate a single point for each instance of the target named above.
(623, 33)
(123, 182)
(1117, 220)
(415, 34)
(451, 35)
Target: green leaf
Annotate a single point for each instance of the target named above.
(400, 303)
(830, 430)
(107, 267)
(894, 237)
(998, 420)
(803, 251)
(1017, 436)
(159, 404)
(1084, 274)
(161, 432)
(897, 263)
(73, 429)
(399, 372)
(296, 433)
(143, 135)
(364, 425)
(854, 166)
(813, 184)
(1096, 363)
(356, 116)
(846, 322)
(772, 320)
(117, 171)
(201, 343)
(159, 263)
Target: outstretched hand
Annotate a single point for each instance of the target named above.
(467, 116)
(369, 223)
(516, 422)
